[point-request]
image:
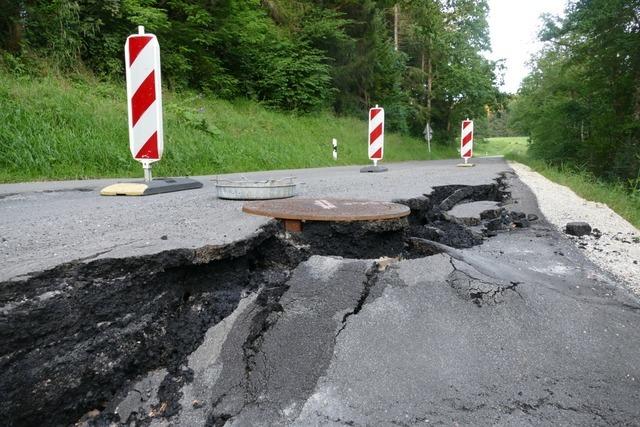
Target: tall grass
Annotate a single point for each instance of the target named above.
(76, 128)
(501, 146)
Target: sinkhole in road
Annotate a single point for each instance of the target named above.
(75, 336)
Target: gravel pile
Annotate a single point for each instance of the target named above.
(613, 244)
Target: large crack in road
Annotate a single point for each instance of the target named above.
(245, 334)
(74, 335)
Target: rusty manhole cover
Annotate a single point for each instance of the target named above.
(294, 211)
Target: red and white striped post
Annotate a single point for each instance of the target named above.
(376, 134)
(144, 105)
(466, 140)
(144, 99)
(376, 139)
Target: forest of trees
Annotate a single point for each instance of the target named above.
(423, 60)
(420, 59)
(581, 103)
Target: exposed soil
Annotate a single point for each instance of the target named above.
(74, 337)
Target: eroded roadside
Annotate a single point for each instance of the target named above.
(236, 333)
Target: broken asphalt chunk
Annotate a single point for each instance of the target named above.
(578, 228)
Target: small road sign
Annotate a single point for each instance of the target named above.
(428, 134)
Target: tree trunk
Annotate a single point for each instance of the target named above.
(11, 25)
(396, 22)
(636, 109)
(15, 37)
(429, 87)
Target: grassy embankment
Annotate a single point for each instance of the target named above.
(501, 146)
(63, 128)
(616, 195)
(76, 128)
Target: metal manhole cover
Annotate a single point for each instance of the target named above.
(327, 209)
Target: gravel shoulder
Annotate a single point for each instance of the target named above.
(617, 250)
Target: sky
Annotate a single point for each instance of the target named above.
(514, 25)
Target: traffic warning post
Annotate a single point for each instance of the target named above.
(376, 139)
(466, 139)
(144, 106)
(144, 98)
(335, 149)
(376, 134)
(466, 142)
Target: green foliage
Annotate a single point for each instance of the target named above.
(500, 121)
(444, 42)
(293, 55)
(191, 117)
(58, 128)
(368, 71)
(581, 104)
(12, 64)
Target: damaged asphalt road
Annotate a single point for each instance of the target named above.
(512, 326)
(519, 331)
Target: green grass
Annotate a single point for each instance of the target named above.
(501, 146)
(76, 128)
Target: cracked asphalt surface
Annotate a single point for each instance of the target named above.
(45, 224)
(521, 330)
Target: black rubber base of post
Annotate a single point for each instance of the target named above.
(156, 186)
(373, 169)
(168, 185)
